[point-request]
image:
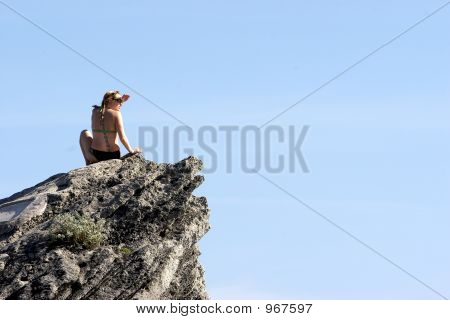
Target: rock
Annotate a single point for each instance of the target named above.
(151, 251)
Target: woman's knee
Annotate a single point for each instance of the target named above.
(86, 133)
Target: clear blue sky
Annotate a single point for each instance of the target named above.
(377, 148)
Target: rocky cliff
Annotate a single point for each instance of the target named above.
(150, 248)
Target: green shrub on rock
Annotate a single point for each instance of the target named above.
(125, 250)
(79, 229)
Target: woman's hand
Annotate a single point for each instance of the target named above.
(136, 150)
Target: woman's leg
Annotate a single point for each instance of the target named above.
(86, 139)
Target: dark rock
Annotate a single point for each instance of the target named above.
(151, 251)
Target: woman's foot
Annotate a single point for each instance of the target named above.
(90, 158)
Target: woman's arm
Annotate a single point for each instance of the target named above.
(121, 131)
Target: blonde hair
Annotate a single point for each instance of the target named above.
(108, 96)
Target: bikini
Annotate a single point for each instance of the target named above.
(105, 155)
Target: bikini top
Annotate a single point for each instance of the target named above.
(104, 131)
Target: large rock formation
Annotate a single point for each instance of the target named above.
(151, 251)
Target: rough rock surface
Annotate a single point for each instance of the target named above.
(151, 251)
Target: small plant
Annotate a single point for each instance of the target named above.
(79, 229)
(125, 250)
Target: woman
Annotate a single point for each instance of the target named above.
(107, 121)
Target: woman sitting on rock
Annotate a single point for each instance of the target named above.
(107, 121)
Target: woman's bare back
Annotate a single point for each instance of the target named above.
(100, 139)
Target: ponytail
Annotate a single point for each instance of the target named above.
(102, 108)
